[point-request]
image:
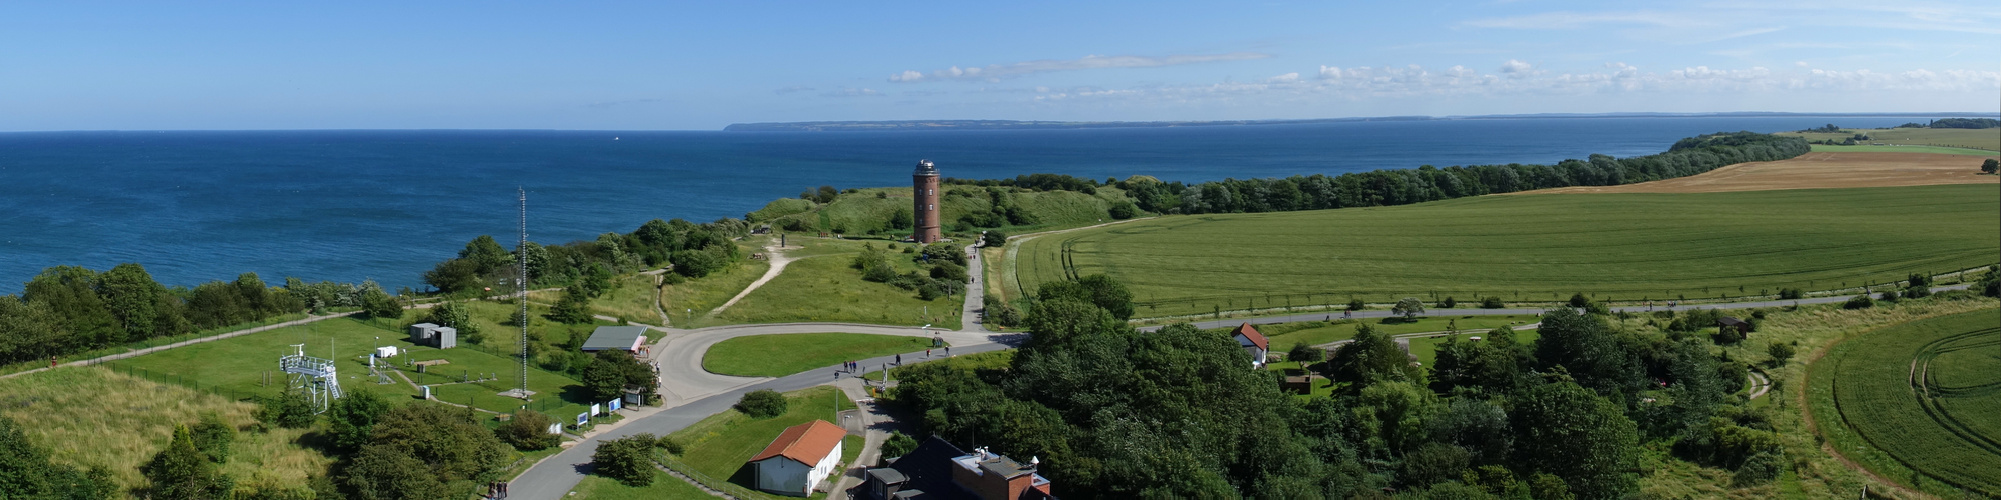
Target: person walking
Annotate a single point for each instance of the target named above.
(899, 360)
(927, 354)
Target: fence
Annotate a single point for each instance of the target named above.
(728, 489)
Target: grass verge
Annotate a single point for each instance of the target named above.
(786, 354)
(717, 447)
(826, 289)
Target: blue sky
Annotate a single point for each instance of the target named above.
(651, 65)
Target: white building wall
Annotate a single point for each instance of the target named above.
(825, 467)
(782, 475)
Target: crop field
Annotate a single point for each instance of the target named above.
(243, 366)
(825, 288)
(1987, 139)
(1626, 247)
(785, 354)
(1864, 148)
(1818, 169)
(1923, 395)
(93, 416)
(1284, 335)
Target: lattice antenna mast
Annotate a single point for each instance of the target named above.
(521, 287)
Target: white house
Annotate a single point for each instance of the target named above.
(1254, 343)
(799, 459)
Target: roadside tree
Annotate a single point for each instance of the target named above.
(1409, 308)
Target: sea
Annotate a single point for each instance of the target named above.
(386, 205)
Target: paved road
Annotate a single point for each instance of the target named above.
(691, 394)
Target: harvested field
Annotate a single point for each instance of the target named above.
(1814, 171)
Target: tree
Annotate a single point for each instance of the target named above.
(453, 276)
(133, 297)
(603, 379)
(628, 459)
(1370, 358)
(1409, 308)
(351, 418)
(1858, 302)
(182, 472)
(1356, 305)
(426, 450)
(291, 408)
(994, 239)
(378, 304)
(1304, 354)
(1565, 430)
(1123, 210)
(901, 218)
(213, 436)
(1989, 166)
(762, 403)
(1780, 352)
(1492, 302)
(1097, 289)
(1579, 300)
(458, 316)
(573, 308)
(898, 444)
(1064, 320)
(1588, 351)
(528, 431)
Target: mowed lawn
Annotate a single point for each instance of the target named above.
(92, 416)
(825, 288)
(785, 354)
(1533, 248)
(1922, 396)
(718, 446)
(664, 487)
(241, 366)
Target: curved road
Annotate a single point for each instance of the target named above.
(691, 394)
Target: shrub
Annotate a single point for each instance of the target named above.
(379, 304)
(1759, 469)
(1791, 293)
(1305, 354)
(1858, 302)
(1448, 303)
(898, 444)
(1356, 305)
(573, 308)
(1492, 302)
(1578, 300)
(1780, 352)
(763, 403)
(674, 278)
(213, 436)
(1888, 296)
(289, 409)
(1123, 210)
(627, 459)
(1917, 292)
(671, 445)
(528, 431)
(994, 238)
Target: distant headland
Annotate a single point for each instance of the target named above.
(897, 125)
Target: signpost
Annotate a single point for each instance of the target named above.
(613, 404)
(583, 418)
(597, 409)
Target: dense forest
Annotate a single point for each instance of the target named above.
(1973, 123)
(1177, 413)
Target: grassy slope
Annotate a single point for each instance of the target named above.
(781, 355)
(92, 416)
(1621, 246)
(1986, 139)
(1284, 335)
(718, 446)
(1880, 420)
(863, 212)
(825, 288)
(143, 344)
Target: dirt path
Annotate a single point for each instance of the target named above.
(1759, 385)
(778, 261)
(1005, 268)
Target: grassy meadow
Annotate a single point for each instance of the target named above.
(1865, 148)
(239, 367)
(717, 447)
(867, 210)
(825, 288)
(1541, 248)
(785, 354)
(1284, 335)
(664, 487)
(1985, 139)
(92, 416)
(1920, 401)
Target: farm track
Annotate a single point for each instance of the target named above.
(1943, 433)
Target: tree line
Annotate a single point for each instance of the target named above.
(694, 250)
(1179, 413)
(1974, 123)
(70, 309)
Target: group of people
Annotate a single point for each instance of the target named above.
(856, 366)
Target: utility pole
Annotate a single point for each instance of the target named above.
(521, 290)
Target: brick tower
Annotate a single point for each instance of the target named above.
(924, 196)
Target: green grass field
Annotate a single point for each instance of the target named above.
(863, 212)
(825, 289)
(990, 360)
(93, 416)
(1920, 401)
(718, 446)
(786, 354)
(1985, 139)
(1533, 248)
(664, 487)
(239, 366)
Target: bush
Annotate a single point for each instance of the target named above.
(763, 403)
(1578, 300)
(1780, 353)
(1448, 303)
(1887, 296)
(573, 308)
(628, 459)
(1123, 210)
(290, 409)
(213, 436)
(1305, 354)
(674, 278)
(898, 444)
(1356, 305)
(379, 304)
(1492, 302)
(994, 238)
(1917, 292)
(1759, 469)
(1791, 293)
(528, 431)
(670, 445)
(1859, 302)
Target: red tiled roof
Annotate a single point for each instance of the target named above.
(1257, 339)
(806, 443)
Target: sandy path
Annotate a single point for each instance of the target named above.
(778, 261)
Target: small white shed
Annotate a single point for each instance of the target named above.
(801, 457)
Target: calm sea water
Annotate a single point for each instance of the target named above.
(386, 205)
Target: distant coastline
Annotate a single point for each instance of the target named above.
(904, 125)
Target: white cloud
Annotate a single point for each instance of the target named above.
(996, 72)
(1515, 68)
(1285, 78)
(792, 89)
